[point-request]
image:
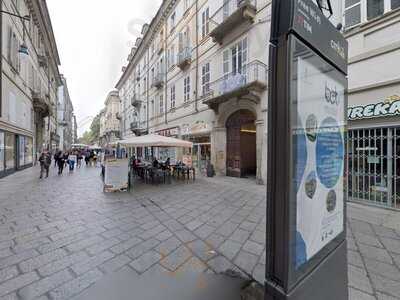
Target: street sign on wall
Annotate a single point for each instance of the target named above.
(306, 155)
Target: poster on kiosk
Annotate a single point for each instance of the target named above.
(306, 199)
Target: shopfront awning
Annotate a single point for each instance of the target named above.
(154, 140)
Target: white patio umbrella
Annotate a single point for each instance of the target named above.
(154, 140)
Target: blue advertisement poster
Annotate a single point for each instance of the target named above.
(318, 146)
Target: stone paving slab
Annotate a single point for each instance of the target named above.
(55, 243)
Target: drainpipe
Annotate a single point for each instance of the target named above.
(197, 57)
(147, 91)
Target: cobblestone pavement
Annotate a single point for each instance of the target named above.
(60, 235)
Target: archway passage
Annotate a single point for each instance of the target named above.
(241, 157)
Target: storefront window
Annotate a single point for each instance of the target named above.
(21, 150)
(395, 4)
(10, 151)
(28, 150)
(2, 148)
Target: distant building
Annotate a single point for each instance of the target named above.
(110, 119)
(66, 119)
(372, 29)
(74, 130)
(29, 85)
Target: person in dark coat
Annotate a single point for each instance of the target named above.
(60, 163)
(45, 162)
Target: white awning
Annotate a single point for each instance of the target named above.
(154, 140)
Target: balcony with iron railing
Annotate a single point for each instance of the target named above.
(231, 14)
(158, 80)
(136, 101)
(250, 80)
(41, 103)
(184, 57)
(160, 46)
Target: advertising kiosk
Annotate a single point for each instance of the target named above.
(306, 200)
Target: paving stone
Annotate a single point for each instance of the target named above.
(91, 263)
(385, 232)
(44, 285)
(102, 246)
(358, 295)
(359, 280)
(17, 283)
(258, 236)
(193, 225)
(392, 245)
(63, 263)
(144, 262)
(67, 233)
(230, 248)
(74, 287)
(381, 296)
(220, 264)
(176, 258)
(227, 229)
(247, 225)
(361, 227)
(185, 235)
(6, 244)
(166, 234)
(253, 248)
(193, 265)
(202, 250)
(14, 259)
(168, 246)
(63, 242)
(204, 231)
(152, 232)
(41, 260)
(354, 258)
(375, 253)
(240, 235)
(367, 239)
(8, 273)
(124, 246)
(246, 261)
(215, 240)
(386, 285)
(141, 248)
(385, 270)
(259, 273)
(115, 263)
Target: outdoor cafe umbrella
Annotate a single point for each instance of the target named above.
(154, 140)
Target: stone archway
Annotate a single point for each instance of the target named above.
(241, 144)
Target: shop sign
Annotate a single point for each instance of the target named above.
(174, 131)
(198, 127)
(389, 107)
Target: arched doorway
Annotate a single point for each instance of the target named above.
(241, 138)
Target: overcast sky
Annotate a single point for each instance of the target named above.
(94, 39)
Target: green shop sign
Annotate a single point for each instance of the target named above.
(389, 107)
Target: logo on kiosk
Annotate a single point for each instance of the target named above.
(331, 95)
(339, 49)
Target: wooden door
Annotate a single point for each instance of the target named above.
(234, 151)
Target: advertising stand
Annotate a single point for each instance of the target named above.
(306, 239)
(116, 175)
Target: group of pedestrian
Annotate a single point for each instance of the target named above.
(91, 158)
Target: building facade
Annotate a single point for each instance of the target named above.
(372, 29)
(199, 72)
(29, 84)
(110, 120)
(65, 117)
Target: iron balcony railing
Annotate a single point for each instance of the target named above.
(135, 125)
(136, 101)
(232, 13)
(158, 80)
(184, 57)
(254, 75)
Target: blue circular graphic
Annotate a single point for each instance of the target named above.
(329, 152)
(300, 154)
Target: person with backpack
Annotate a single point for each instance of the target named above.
(45, 162)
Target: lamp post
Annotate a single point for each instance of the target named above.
(22, 50)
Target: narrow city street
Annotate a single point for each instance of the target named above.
(60, 235)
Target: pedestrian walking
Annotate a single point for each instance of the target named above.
(71, 161)
(45, 162)
(79, 157)
(87, 158)
(56, 156)
(60, 163)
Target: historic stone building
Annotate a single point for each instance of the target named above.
(65, 116)
(110, 119)
(29, 84)
(200, 72)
